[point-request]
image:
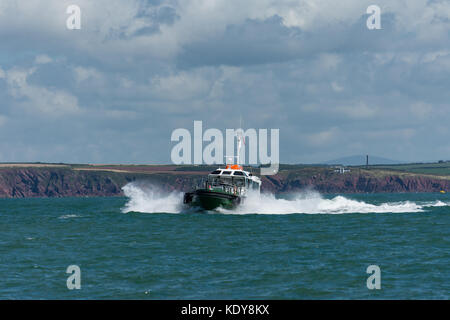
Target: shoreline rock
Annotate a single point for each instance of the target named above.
(67, 182)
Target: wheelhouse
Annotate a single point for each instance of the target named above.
(235, 177)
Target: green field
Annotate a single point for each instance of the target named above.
(421, 168)
(437, 169)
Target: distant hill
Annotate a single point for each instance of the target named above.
(360, 160)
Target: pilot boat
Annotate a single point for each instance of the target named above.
(226, 188)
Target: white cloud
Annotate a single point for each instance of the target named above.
(392, 134)
(352, 110)
(311, 14)
(128, 66)
(121, 114)
(109, 28)
(357, 111)
(421, 109)
(43, 59)
(323, 137)
(429, 19)
(83, 74)
(336, 86)
(2, 120)
(327, 62)
(432, 56)
(38, 99)
(180, 86)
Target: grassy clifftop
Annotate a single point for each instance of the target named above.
(62, 180)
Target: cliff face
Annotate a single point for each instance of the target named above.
(21, 183)
(357, 183)
(64, 182)
(56, 182)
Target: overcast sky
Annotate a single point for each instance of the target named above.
(113, 91)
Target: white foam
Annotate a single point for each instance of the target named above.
(314, 203)
(436, 203)
(150, 199)
(68, 216)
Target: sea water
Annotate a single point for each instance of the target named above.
(298, 246)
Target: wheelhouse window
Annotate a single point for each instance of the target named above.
(238, 173)
(226, 172)
(216, 172)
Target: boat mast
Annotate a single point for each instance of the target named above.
(240, 138)
(239, 134)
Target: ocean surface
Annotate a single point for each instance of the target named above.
(301, 246)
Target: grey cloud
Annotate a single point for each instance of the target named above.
(331, 86)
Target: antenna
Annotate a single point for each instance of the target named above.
(240, 139)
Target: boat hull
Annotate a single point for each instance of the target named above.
(210, 200)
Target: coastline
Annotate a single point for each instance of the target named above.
(68, 180)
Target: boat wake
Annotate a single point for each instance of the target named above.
(314, 203)
(150, 199)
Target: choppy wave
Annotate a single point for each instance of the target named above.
(436, 203)
(149, 199)
(314, 203)
(68, 216)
